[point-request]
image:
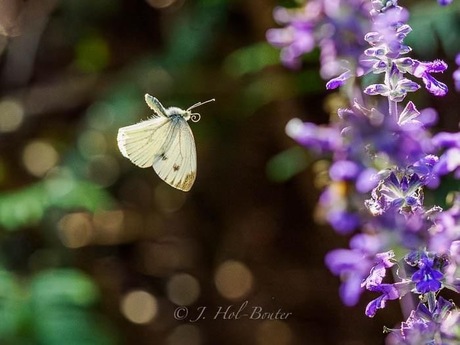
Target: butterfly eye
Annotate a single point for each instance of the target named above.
(195, 117)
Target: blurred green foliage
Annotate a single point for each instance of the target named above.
(28, 206)
(434, 28)
(52, 307)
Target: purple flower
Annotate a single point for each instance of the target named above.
(320, 139)
(428, 276)
(449, 161)
(456, 74)
(343, 170)
(379, 6)
(438, 325)
(427, 279)
(424, 69)
(353, 265)
(336, 27)
(298, 36)
(378, 271)
(389, 292)
(368, 132)
(446, 140)
(404, 194)
(342, 221)
(444, 2)
(409, 117)
(336, 82)
(446, 231)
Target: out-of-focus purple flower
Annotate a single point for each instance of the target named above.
(342, 221)
(336, 27)
(353, 265)
(444, 2)
(321, 139)
(446, 140)
(343, 170)
(449, 161)
(452, 271)
(446, 231)
(366, 180)
(297, 38)
(456, 74)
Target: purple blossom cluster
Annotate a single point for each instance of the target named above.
(383, 161)
(336, 27)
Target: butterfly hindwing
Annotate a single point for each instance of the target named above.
(175, 163)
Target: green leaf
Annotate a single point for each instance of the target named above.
(286, 164)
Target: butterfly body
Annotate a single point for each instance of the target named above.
(164, 142)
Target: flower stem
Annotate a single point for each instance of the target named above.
(393, 109)
(431, 299)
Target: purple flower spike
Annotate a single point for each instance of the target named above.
(382, 159)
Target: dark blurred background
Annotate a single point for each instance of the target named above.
(94, 250)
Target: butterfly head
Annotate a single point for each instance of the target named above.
(195, 117)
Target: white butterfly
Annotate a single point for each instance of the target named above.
(165, 142)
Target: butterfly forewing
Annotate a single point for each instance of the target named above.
(143, 141)
(175, 163)
(156, 106)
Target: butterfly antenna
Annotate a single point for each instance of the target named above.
(195, 117)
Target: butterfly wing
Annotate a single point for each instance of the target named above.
(155, 105)
(142, 142)
(176, 161)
